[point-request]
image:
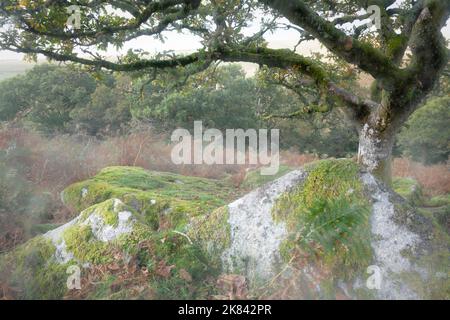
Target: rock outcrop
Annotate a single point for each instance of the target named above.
(329, 230)
(315, 233)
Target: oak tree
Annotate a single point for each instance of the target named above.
(405, 55)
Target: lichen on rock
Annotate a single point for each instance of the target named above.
(390, 239)
(320, 228)
(84, 238)
(254, 236)
(105, 234)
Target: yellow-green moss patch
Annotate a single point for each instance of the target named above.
(32, 271)
(162, 199)
(254, 179)
(213, 233)
(327, 218)
(81, 242)
(409, 189)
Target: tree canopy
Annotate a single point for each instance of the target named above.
(405, 55)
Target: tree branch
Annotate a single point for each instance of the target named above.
(136, 23)
(101, 63)
(365, 56)
(285, 59)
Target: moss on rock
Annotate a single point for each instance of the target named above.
(176, 266)
(32, 270)
(80, 241)
(253, 178)
(213, 233)
(409, 189)
(439, 201)
(327, 218)
(434, 260)
(163, 199)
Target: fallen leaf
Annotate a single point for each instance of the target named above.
(185, 275)
(163, 269)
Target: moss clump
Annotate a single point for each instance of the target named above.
(437, 284)
(328, 218)
(213, 232)
(175, 250)
(439, 201)
(164, 200)
(169, 256)
(175, 266)
(32, 270)
(254, 179)
(409, 189)
(82, 243)
(394, 44)
(108, 210)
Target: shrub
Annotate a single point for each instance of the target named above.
(426, 135)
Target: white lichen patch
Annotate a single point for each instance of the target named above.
(371, 149)
(62, 255)
(389, 241)
(106, 232)
(101, 230)
(255, 237)
(56, 236)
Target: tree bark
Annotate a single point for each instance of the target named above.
(375, 152)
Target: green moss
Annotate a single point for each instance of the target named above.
(409, 189)
(437, 286)
(438, 201)
(328, 218)
(158, 197)
(150, 248)
(32, 271)
(85, 248)
(107, 210)
(176, 252)
(213, 232)
(394, 44)
(81, 241)
(254, 179)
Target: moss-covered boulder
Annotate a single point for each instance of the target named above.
(322, 232)
(164, 200)
(126, 215)
(242, 237)
(106, 241)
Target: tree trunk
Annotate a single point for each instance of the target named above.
(375, 152)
